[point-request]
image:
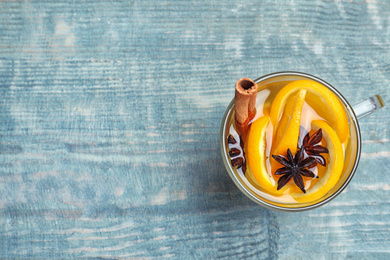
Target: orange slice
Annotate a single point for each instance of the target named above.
(325, 102)
(334, 168)
(291, 133)
(282, 124)
(256, 153)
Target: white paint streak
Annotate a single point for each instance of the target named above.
(380, 141)
(336, 213)
(340, 7)
(100, 238)
(157, 151)
(165, 196)
(376, 154)
(188, 125)
(93, 249)
(158, 229)
(65, 32)
(378, 186)
(152, 134)
(159, 164)
(161, 198)
(233, 47)
(343, 203)
(124, 225)
(160, 238)
(340, 224)
(189, 141)
(318, 48)
(373, 11)
(41, 174)
(119, 191)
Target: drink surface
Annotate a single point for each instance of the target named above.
(288, 114)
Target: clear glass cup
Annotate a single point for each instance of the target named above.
(354, 113)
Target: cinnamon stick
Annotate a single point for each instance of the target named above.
(245, 104)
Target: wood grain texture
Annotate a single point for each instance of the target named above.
(109, 121)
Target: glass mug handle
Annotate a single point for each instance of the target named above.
(368, 106)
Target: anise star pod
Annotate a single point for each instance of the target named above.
(294, 168)
(312, 148)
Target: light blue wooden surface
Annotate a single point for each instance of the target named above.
(109, 121)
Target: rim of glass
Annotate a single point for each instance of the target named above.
(266, 204)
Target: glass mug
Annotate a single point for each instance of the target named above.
(352, 156)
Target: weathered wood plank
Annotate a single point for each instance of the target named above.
(109, 121)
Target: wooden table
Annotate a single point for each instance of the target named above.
(110, 114)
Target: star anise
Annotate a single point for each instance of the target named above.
(312, 148)
(294, 168)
